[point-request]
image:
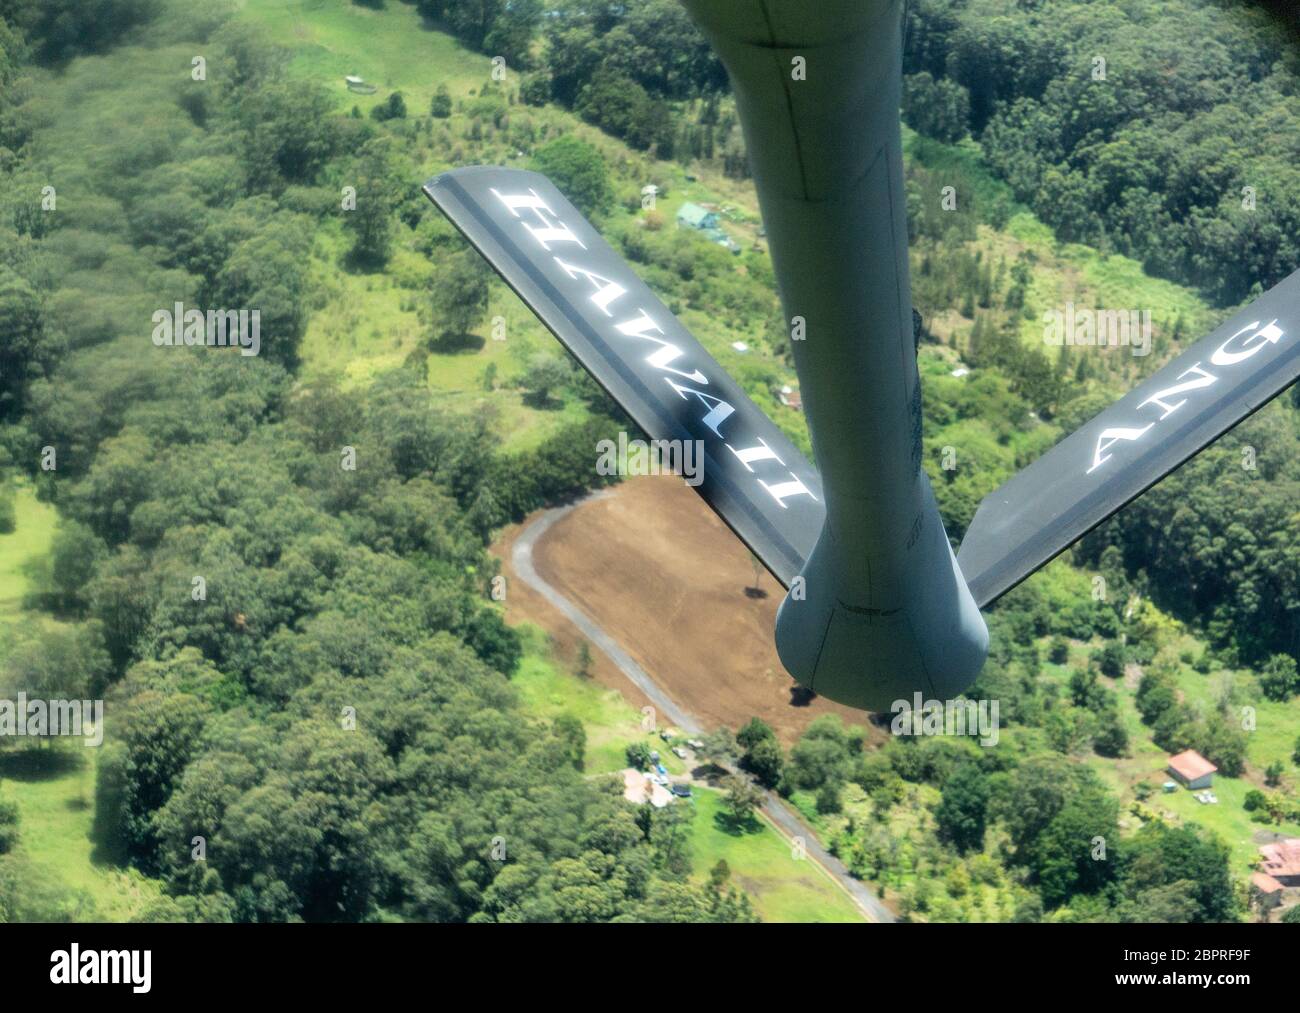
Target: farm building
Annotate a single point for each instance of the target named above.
(1281, 861)
(692, 216)
(702, 220)
(1192, 769)
(1269, 889)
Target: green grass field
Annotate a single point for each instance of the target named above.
(783, 889)
(54, 786)
(1063, 272)
(29, 541)
(612, 723)
(391, 48)
(55, 792)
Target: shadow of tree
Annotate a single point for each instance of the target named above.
(733, 827)
(354, 262)
(38, 763)
(453, 343)
(542, 401)
(710, 773)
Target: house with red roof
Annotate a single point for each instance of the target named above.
(1281, 861)
(1268, 890)
(1192, 769)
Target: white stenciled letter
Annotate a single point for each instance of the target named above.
(1270, 332)
(552, 231)
(1204, 379)
(760, 453)
(1108, 438)
(640, 328)
(783, 490)
(606, 291)
(719, 410)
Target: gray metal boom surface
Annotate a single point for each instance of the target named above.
(885, 612)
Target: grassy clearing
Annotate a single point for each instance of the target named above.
(1147, 764)
(365, 324)
(1228, 819)
(54, 786)
(783, 890)
(612, 723)
(31, 538)
(55, 792)
(1062, 272)
(964, 160)
(1070, 273)
(393, 48)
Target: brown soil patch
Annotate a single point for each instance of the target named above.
(663, 575)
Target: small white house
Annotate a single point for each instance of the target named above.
(639, 788)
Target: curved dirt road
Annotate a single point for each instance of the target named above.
(521, 557)
(782, 816)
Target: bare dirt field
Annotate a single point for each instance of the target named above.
(652, 565)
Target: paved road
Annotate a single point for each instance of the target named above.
(782, 816)
(522, 558)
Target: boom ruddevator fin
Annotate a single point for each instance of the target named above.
(1020, 527)
(1187, 404)
(590, 299)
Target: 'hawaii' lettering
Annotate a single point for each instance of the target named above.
(542, 224)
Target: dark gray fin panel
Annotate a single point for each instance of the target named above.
(752, 475)
(1190, 402)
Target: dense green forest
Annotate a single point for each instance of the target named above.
(1167, 131)
(329, 589)
(275, 569)
(1131, 126)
